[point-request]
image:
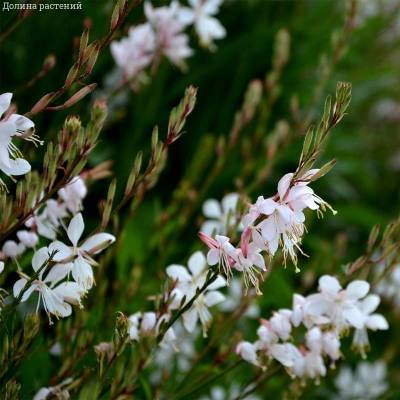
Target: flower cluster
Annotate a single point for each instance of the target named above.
(53, 266)
(48, 219)
(163, 35)
(267, 224)
(368, 381)
(187, 282)
(326, 316)
(12, 126)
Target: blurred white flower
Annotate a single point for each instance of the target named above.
(136, 51)
(222, 216)
(367, 382)
(12, 249)
(73, 194)
(201, 14)
(339, 305)
(170, 39)
(28, 239)
(370, 321)
(188, 281)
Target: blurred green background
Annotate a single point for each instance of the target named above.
(363, 187)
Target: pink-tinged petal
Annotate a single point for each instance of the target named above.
(218, 283)
(179, 273)
(329, 284)
(268, 206)
(98, 242)
(370, 303)
(212, 298)
(229, 202)
(63, 252)
(268, 228)
(212, 209)
(309, 174)
(197, 263)
(285, 212)
(377, 321)
(5, 101)
(283, 185)
(354, 317)
(213, 257)
(357, 289)
(75, 229)
(273, 245)
(40, 258)
(190, 319)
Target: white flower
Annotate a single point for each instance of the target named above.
(367, 382)
(191, 279)
(201, 15)
(28, 239)
(248, 352)
(73, 194)
(1, 266)
(78, 258)
(11, 161)
(55, 211)
(142, 324)
(370, 321)
(12, 249)
(56, 297)
(280, 323)
(169, 36)
(222, 215)
(135, 52)
(221, 252)
(339, 305)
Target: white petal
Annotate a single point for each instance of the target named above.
(190, 319)
(62, 251)
(329, 284)
(357, 289)
(212, 209)
(197, 263)
(82, 273)
(218, 283)
(75, 229)
(283, 185)
(5, 101)
(179, 273)
(58, 272)
(98, 242)
(377, 321)
(212, 298)
(354, 317)
(370, 304)
(16, 167)
(212, 226)
(213, 257)
(40, 257)
(22, 123)
(229, 202)
(70, 291)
